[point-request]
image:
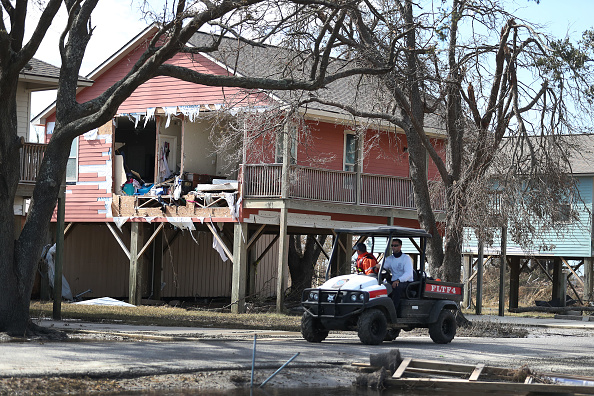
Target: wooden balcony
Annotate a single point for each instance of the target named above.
(264, 181)
(31, 156)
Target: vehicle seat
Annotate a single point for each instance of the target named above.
(414, 288)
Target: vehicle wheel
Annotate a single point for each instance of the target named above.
(372, 327)
(392, 334)
(444, 330)
(311, 329)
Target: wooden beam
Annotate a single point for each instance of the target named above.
(255, 237)
(68, 227)
(57, 304)
(550, 309)
(402, 368)
(147, 244)
(135, 280)
(239, 277)
(267, 249)
(572, 271)
(340, 243)
(476, 372)
(119, 240)
(543, 269)
(218, 238)
(283, 256)
(321, 247)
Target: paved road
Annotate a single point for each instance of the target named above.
(163, 351)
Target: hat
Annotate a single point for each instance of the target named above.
(361, 247)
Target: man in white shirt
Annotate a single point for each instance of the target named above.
(401, 267)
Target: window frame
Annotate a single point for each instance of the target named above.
(289, 130)
(73, 147)
(344, 151)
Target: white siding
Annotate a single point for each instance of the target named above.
(23, 111)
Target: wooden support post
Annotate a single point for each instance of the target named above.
(252, 267)
(344, 256)
(588, 279)
(57, 306)
(158, 265)
(283, 264)
(283, 240)
(467, 258)
(502, 265)
(479, 280)
(135, 282)
(558, 282)
(514, 282)
(238, 285)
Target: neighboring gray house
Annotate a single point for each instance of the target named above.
(570, 247)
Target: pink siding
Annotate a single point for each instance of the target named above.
(384, 154)
(84, 202)
(323, 147)
(167, 91)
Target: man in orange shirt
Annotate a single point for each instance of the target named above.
(366, 262)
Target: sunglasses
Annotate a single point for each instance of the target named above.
(396, 245)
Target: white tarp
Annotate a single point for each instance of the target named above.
(105, 301)
(51, 271)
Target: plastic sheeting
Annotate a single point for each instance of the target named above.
(51, 273)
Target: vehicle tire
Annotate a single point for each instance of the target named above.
(444, 330)
(392, 334)
(311, 329)
(372, 327)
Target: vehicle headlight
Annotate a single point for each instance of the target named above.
(361, 296)
(313, 296)
(354, 297)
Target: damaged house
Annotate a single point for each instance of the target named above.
(165, 202)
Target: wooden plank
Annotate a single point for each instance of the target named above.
(402, 368)
(119, 240)
(573, 272)
(147, 244)
(460, 385)
(215, 234)
(476, 372)
(255, 237)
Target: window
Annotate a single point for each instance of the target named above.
(350, 151)
(563, 213)
(291, 128)
(72, 166)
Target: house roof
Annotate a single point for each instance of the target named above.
(582, 157)
(40, 71)
(240, 58)
(365, 93)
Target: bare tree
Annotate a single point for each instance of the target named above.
(249, 21)
(496, 87)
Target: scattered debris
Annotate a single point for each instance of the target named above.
(416, 374)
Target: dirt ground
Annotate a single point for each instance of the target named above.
(212, 382)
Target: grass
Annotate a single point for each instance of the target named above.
(167, 316)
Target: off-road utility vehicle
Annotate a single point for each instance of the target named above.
(362, 302)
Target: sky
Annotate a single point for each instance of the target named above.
(118, 21)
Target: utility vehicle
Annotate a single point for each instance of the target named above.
(362, 302)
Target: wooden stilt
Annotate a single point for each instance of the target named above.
(239, 281)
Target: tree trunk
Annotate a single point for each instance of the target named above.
(302, 261)
(417, 158)
(19, 258)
